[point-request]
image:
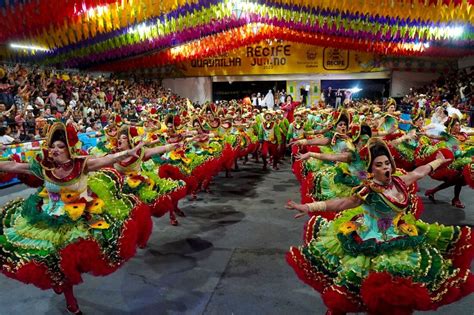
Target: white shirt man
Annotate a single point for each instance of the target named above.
(269, 100)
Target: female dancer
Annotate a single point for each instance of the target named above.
(438, 120)
(340, 172)
(406, 147)
(55, 234)
(335, 138)
(141, 177)
(269, 135)
(376, 257)
(461, 170)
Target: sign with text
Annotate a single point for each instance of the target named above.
(280, 58)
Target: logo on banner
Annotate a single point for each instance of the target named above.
(311, 54)
(335, 59)
(268, 57)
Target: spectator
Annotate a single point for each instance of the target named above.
(338, 98)
(131, 115)
(30, 121)
(20, 121)
(18, 99)
(4, 137)
(40, 124)
(95, 127)
(38, 103)
(60, 104)
(52, 98)
(269, 100)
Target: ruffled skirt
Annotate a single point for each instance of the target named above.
(408, 273)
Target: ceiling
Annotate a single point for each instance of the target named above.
(125, 35)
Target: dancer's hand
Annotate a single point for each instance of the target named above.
(297, 142)
(411, 134)
(441, 157)
(179, 145)
(303, 157)
(302, 209)
(135, 151)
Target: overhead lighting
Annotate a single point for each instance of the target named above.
(448, 31)
(355, 90)
(417, 46)
(28, 47)
(141, 29)
(236, 7)
(455, 31)
(92, 11)
(240, 7)
(256, 27)
(177, 50)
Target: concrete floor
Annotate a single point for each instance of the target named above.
(226, 257)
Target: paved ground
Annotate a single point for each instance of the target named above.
(226, 257)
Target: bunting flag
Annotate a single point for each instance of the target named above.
(245, 35)
(87, 33)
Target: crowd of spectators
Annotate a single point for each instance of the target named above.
(452, 89)
(30, 97)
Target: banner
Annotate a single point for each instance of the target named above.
(275, 57)
(27, 150)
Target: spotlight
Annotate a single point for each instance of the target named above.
(27, 47)
(455, 31)
(450, 31)
(141, 29)
(355, 90)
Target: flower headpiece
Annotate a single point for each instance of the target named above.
(59, 131)
(359, 130)
(133, 134)
(341, 115)
(391, 101)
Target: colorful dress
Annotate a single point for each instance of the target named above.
(296, 131)
(229, 136)
(389, 127)
(106, 142)
(246, 139)
(142, 180)
(269, 136)
(324, 180)
(361, 258)
(407, 152)
(462, 155)
(78, 224)
(194, 164)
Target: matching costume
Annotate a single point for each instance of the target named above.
(93, 222)
(269, 136)
(358, 260)
(141, 179)
(72, 225)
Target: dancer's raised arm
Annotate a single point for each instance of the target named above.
(338, 204)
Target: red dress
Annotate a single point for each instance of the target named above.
(290, 110)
